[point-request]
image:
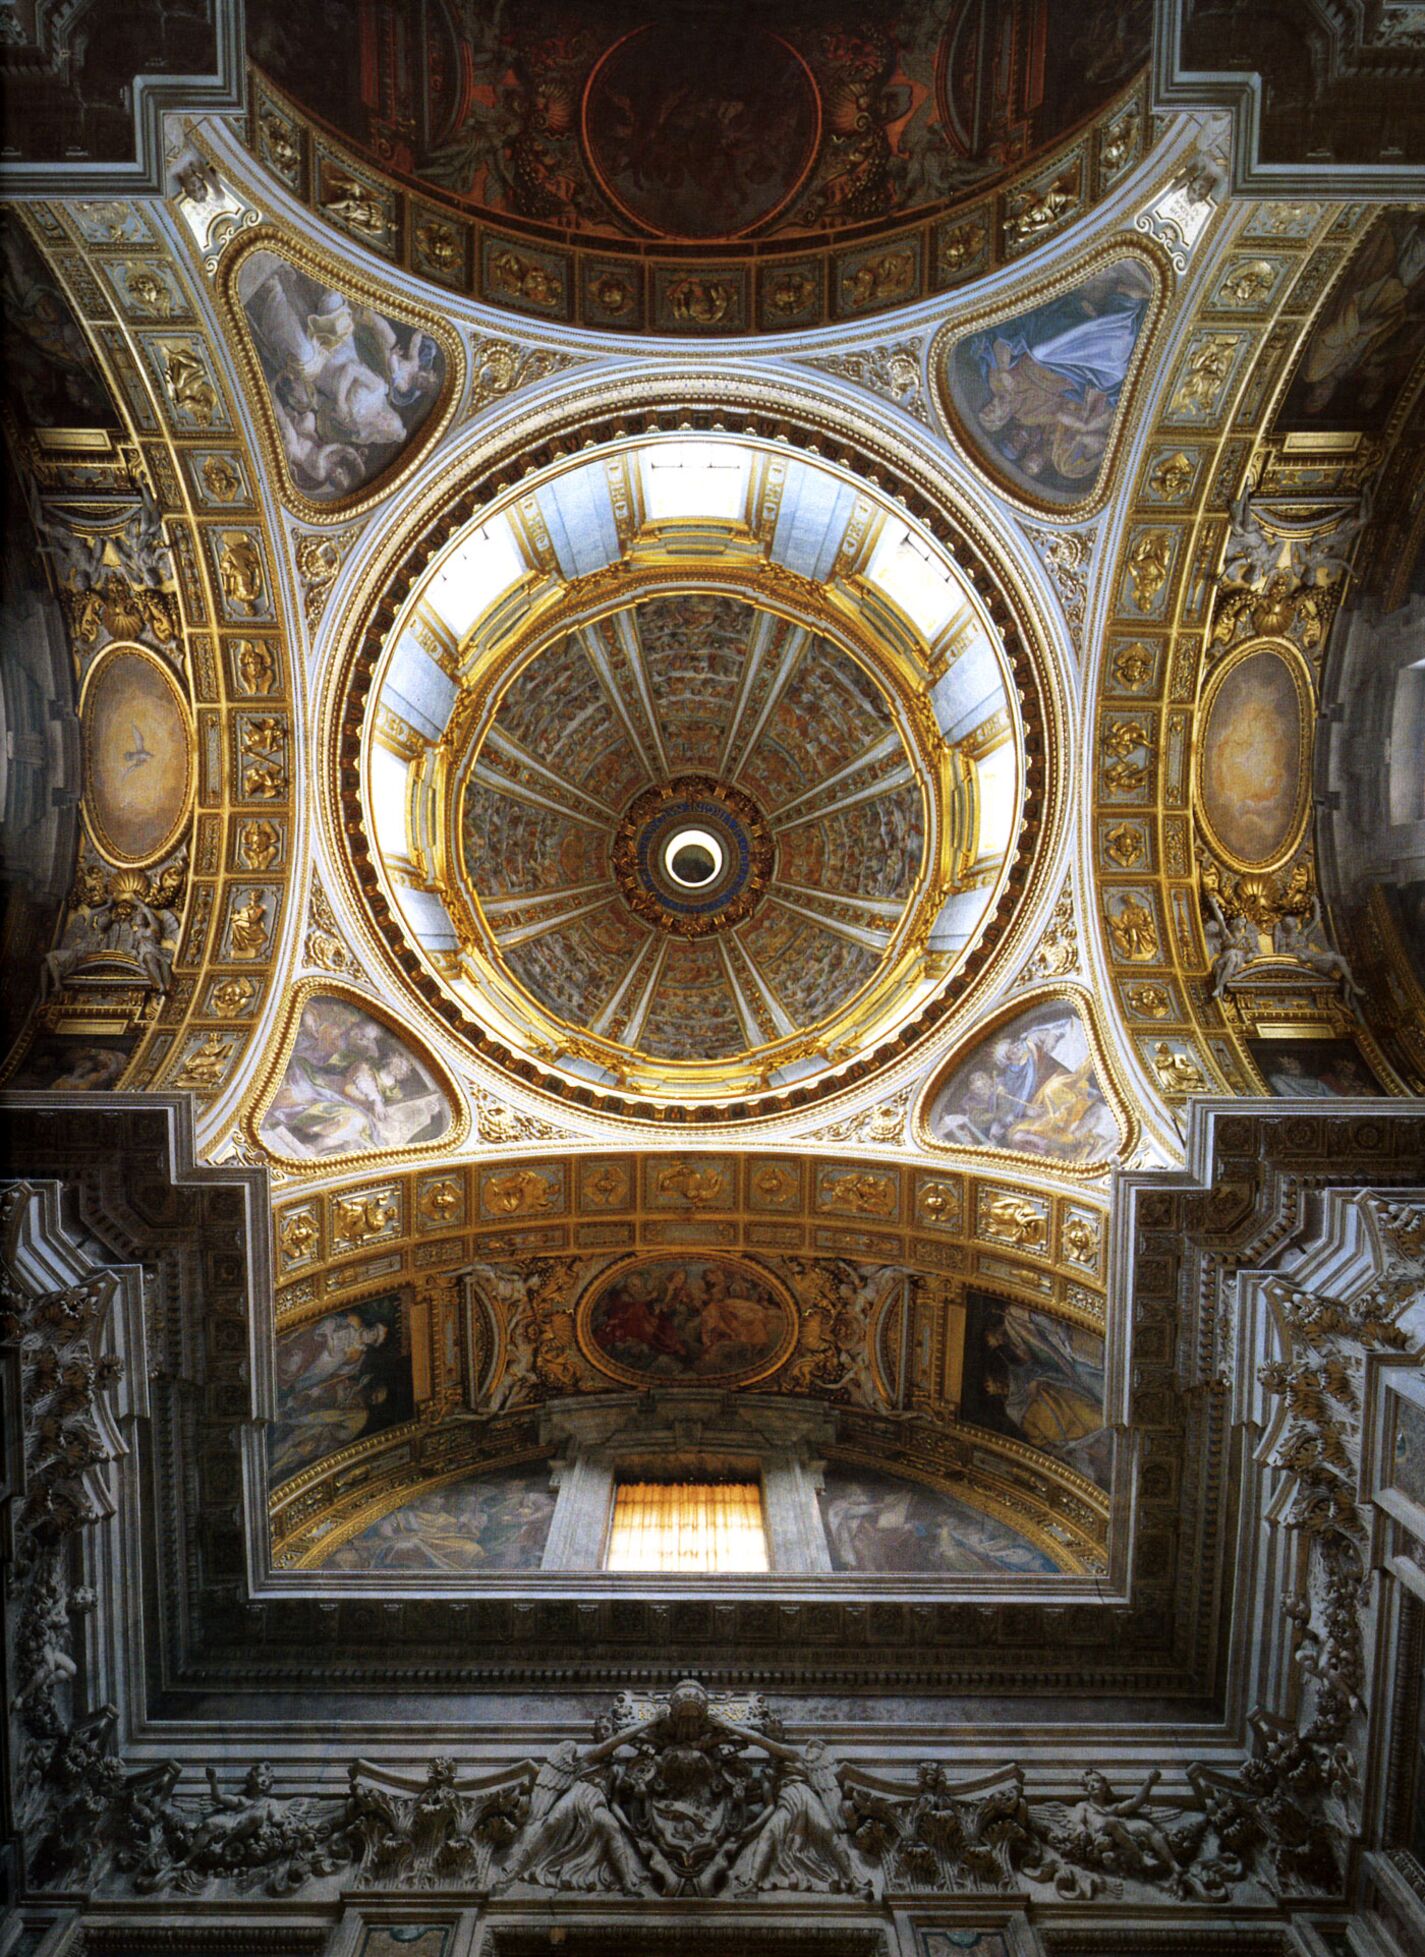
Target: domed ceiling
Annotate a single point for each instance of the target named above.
(744, 833)
(637, 166)
(711, 817)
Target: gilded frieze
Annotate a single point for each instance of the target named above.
(947, 1219)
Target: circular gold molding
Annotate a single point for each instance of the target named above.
(640, 410)
(725, 897)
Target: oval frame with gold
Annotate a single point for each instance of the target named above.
(117, 653)
(604, 1282)
(1291, 657)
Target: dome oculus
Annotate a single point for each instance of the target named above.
(692, 857)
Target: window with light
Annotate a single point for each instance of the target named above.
(684, 1528)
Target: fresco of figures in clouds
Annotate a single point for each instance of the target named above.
(350, 387)
(1254, 757)
(1038, 1379)
(1369, 336)
(339, 1379)
(1030, 1086)
(495, 1521)
(882, 1523)
(689, 1319)
(1038, 395)
(351, 1085)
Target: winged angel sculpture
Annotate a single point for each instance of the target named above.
(670, 1796)
(984, 1834)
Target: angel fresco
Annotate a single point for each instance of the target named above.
(348, 385)
(351, 1084)
(1031, 1088)
(339, 1378)
(1038, 395)
(1038, 1379)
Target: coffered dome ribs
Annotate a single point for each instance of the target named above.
(692, 636)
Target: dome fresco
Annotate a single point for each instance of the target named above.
(703, 168)
(691, 715)
(714, 825)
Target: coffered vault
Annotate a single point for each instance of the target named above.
(689, 822)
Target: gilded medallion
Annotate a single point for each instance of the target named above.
(138, 755)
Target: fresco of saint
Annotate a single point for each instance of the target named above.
(1314, 1070)
(351, 1084)
(1040, 1379)
(688, 1318)
(1039, 394)
(1369, 337)
(1031, 1088)
(338, 1378)
(497, 1521)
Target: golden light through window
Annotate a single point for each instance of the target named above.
(684, 1528)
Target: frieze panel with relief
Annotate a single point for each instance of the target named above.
(1044, 1244)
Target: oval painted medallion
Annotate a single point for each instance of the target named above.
(689, 1320)
(1254, 755)
(138, 755)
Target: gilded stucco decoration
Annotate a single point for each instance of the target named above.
(909, 158)
(146, 519)
(1237, 549)
(364, 1383)
(825, 897)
